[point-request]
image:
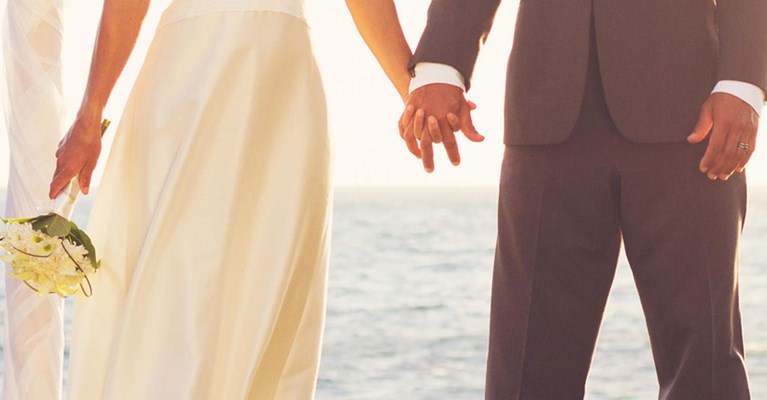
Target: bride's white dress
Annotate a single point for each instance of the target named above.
(212, 216)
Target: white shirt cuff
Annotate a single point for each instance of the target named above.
(430, 73)
(751, 94)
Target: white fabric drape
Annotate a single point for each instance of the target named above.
(212, 217)
(34, 338)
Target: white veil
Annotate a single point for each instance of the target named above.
(35, 113)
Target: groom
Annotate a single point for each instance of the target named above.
(625, 121)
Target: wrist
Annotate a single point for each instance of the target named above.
(87, 124)
(425, 74)
(90, 113)
(91, 106)
(749, 93)
(404, 93)
(401, 84)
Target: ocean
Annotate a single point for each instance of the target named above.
(409, 296)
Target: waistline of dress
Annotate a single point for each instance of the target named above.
(183, 9)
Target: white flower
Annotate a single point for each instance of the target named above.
(48, 264)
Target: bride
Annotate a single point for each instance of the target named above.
(212, 218)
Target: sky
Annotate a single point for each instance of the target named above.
(363, 105)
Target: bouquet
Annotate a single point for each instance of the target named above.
(49, 252)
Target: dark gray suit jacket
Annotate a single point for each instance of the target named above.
(659, 59)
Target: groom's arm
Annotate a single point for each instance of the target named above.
(743, 41)
(731, 122)
(743, 50)
(454, 34)
(448, 50)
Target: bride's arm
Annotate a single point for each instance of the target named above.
(379, 25)
(79, 150)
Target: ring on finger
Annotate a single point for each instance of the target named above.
(744, 146)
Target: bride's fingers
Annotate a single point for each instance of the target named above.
(408, 115)
(405, 125)
(427, 152)
(410, 140)
(436, 134)
(65, 171)
(418, 124)
(85, 177)
(405, 120)
(60, 181)
(454, 121)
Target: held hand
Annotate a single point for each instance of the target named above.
(411, 125)
(77, 155)
(732, 124)
(433, 113)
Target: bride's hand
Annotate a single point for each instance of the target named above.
(77, 155)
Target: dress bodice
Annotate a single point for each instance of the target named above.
(180, 9)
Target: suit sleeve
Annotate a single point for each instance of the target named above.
(455, 31)
(743, 41)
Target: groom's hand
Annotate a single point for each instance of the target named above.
(732, 124)
(442, 110)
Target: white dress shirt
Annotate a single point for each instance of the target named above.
(429, 73)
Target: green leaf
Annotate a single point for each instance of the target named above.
(58, 226)
(84, 240)
(49, 224)
(19, 220)
(41, 223)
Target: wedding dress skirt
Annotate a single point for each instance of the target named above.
(34, 326)
(212, 216)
